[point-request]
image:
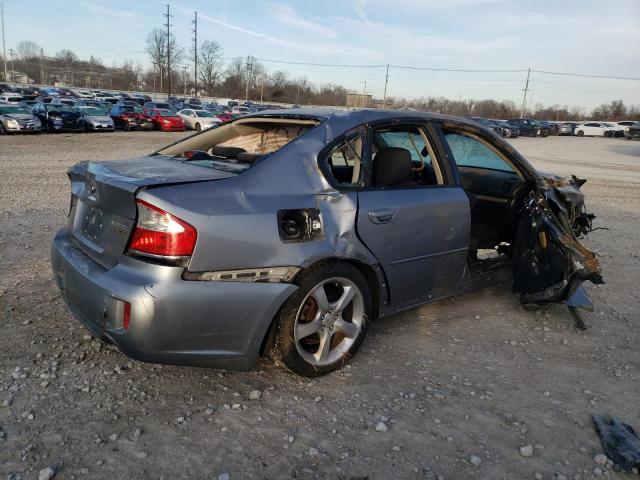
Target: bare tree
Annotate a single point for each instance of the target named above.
(156, 46)
(176, 58)
(67, 56)
(28, 50)
(210, 64)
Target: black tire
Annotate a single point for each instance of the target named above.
(3, 131)
(544, 134)
(608, 134)
(285, 348)
(533, 134)
(198, 127)
(580, 133)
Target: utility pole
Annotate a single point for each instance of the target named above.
(13, 70)
(261, 91)
(168, 25)
(42, 81)
(364, 92)
(525, 90)
(154, 76)
(4, 49)
(185, 80)
(195, 52)
(249, 68)
(386, 81)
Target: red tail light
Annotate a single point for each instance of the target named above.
(160, 233)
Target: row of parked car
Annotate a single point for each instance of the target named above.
(529, 127)
(59, 109)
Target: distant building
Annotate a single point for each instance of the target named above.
(19, 77)
(359, 100)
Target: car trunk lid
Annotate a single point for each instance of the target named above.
(103, 199)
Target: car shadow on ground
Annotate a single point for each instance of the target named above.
(631, 148)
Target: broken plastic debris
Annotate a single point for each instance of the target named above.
(619, 441)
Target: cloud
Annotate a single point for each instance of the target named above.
(287, 15)
(400, 38)
(436, 4)
(237, 28)
(106, 11)
(310, 48)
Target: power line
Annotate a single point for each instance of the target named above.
(334, 65)
(453, 70)
(460, 70)
(586, 75)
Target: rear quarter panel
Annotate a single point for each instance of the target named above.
(236, 218)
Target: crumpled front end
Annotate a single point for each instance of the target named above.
(550, 263)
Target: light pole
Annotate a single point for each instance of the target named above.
(364, 93)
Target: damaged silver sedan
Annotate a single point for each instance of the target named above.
(290, 231)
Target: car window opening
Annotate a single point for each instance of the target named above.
(345, 159)
(402, 156)
(496, 191)
(236, 146)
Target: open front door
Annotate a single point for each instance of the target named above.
(550, 264)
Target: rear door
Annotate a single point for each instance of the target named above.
(417, 227)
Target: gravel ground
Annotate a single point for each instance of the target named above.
(471, 387)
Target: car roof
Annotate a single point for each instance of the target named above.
(346, 119)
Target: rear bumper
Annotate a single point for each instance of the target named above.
(207, 324)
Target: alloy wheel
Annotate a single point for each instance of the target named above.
(329, 321)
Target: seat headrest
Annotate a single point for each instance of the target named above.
(246, 157)
(391, 166)
(227, 152)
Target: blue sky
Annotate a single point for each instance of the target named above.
(583, 36)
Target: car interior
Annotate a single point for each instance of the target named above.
(496, 190)
(239, 144)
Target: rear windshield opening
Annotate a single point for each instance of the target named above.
(238, 145)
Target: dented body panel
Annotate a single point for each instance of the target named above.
(419, 258)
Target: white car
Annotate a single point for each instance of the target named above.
(84, 94)
(594, 129)
(103, 96)
(623, 125)
(11, 97)
(198, 119)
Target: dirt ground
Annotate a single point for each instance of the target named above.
(460, 385)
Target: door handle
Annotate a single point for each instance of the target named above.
(381, 216)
